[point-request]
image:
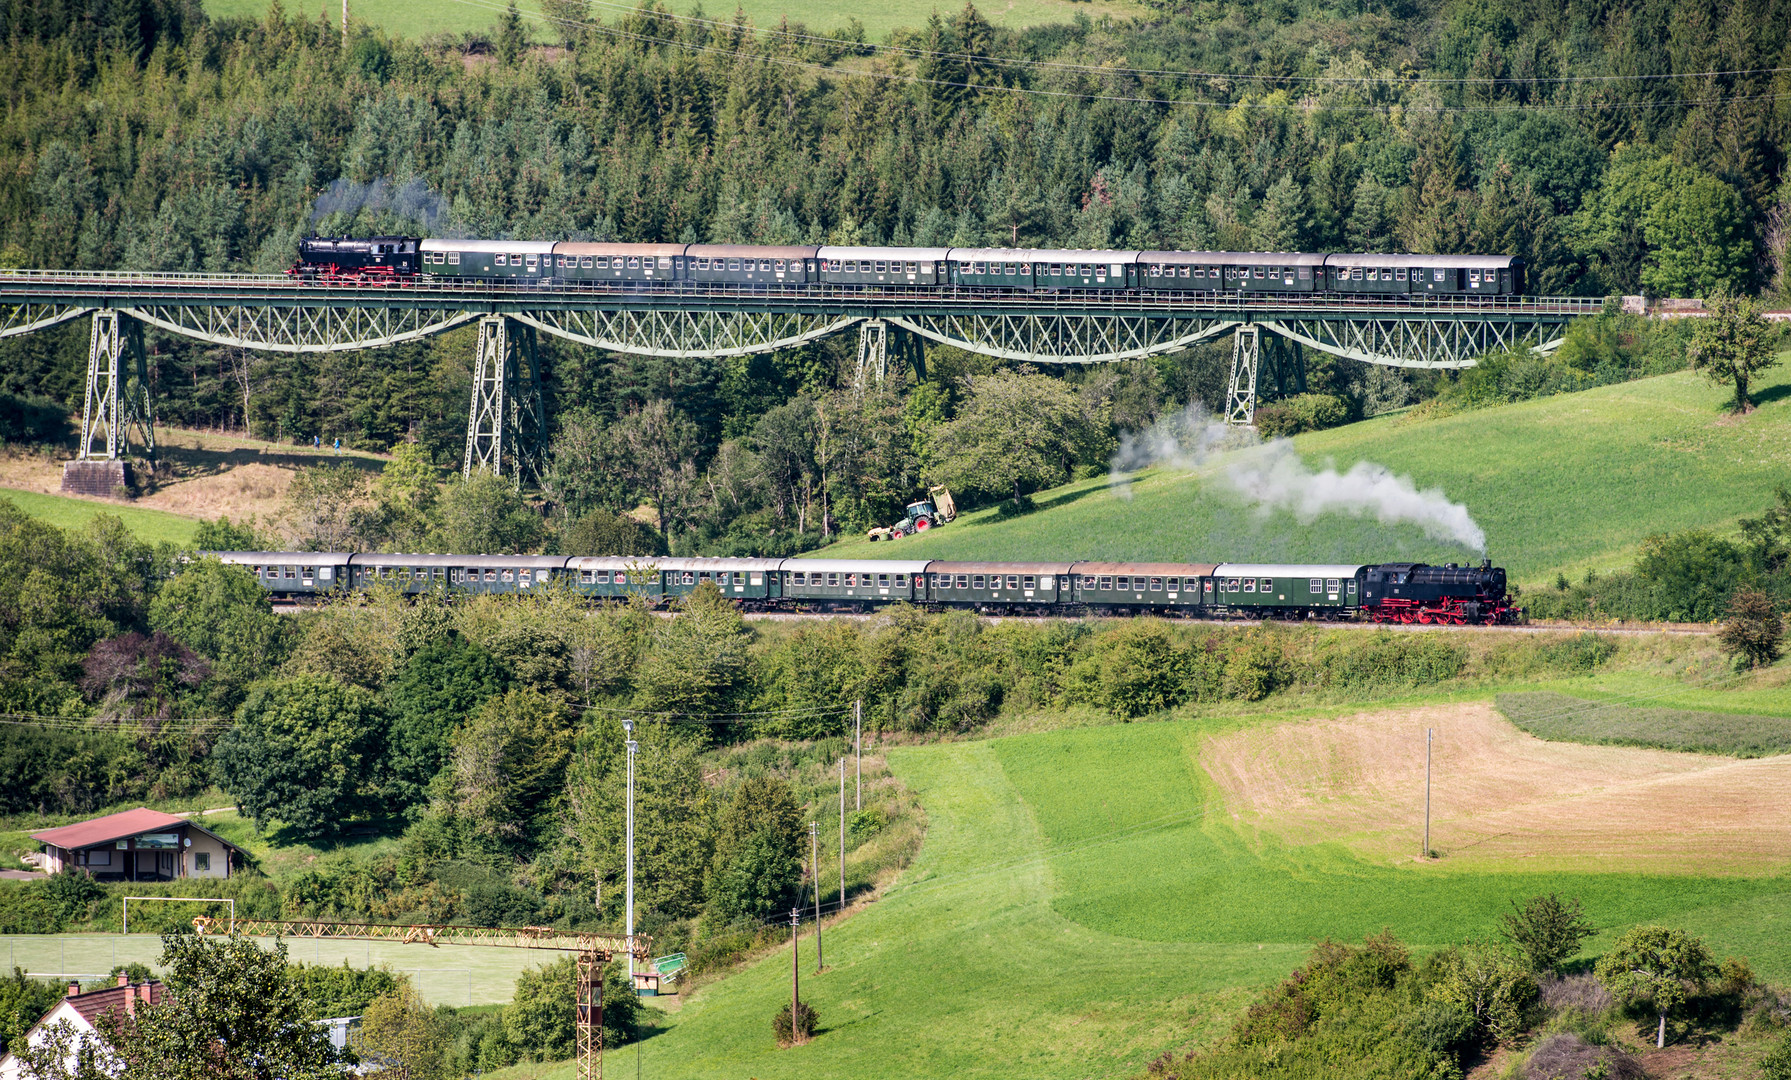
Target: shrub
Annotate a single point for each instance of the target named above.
(1565, 1054)
(1580, 993)
(1492, 986)
(33, 418)
(1580, 654)
(73, 892)
(1141, 671)
(1755, 632)
(1302, 412)
(807, 1019)
(1546, 929)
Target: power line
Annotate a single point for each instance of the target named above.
(890, 76)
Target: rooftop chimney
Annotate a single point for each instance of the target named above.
(73, 989)
(124, 978)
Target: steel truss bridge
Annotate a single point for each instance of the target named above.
(505, 423)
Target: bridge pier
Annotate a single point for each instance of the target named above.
(1246, 361)
(506, 423)
(873, 352)
(117, 400)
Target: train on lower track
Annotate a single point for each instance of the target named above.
(648, 267)
(1380, 592)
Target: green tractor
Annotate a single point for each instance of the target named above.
(936, 509)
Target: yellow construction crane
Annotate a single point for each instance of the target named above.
(594, 951)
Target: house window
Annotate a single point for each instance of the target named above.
(99, 858)
(202, 861)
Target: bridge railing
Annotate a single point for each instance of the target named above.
(100, 285)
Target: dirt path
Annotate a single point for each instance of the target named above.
(1502, 797)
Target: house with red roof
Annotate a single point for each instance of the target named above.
(139, 845)
(82, 1013)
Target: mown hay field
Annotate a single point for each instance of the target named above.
(1086, 898)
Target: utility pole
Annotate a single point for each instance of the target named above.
(1428, 732)
(842, 834)
(628, 729)
(344, 22)
(795, 975)
(814, 843)
(858, 752)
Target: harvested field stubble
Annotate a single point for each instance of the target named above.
(1502, 798)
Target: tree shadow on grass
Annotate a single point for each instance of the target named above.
(192, 463)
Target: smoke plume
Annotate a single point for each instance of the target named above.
(1271, 476)
(412, 201)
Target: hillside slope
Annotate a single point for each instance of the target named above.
(1559, 484)
(1090, 897)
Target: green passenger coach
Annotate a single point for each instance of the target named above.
(1256, 590)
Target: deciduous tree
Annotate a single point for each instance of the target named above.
(1755, 631)
(303, 752)
(1733, 344)
(1656, 964)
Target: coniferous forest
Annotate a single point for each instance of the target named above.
(1621, 148)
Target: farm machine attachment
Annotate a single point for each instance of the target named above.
(936, 509)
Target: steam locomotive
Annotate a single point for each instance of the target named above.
(563, 264)
(1384, 592)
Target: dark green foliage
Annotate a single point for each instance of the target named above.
(72, 892)
(1692, 573)
(1549, 715)
(1546, 929)
(222, 613)
(787, 1031)
(538, 1023)
(305, 752)
(760, 847)
(1302, 412)
(507, 776)
(33, 418)
(439, 685)
(601, 532)
(1142, 670)
(340, 991)
(222, 534)
(1659, 965)
(1776, 1065)
(22, 1001)
(27, 908)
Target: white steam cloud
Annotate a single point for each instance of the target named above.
(412, 200)
(1272, 476)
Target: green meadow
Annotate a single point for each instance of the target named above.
(420, 18)
(151, 526)
(1571, 718)
(1561, 484)
(1083, 903)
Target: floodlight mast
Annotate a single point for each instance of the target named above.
(628, 730)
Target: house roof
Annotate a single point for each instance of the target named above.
(111, 827)
(97, 1003)
(104, 830)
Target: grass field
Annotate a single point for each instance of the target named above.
(419, 18)
(1560, 485)
(153, 526)
(1085, 900)
(445, 976)
(1550, 715)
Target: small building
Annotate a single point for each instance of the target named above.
(82, 1012)
(139, 845)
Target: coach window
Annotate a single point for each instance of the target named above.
(532, 260)
(833, 580)
(1156, 584)
(1232, 585)
(1399, 274)
(1008, 269)
(941, 581)
(1088, 584)
(1332, 584)
(1013, 581)
(634, 262)
(1249, 584)
(508, 575)
(1175, 584)
(914, 268)
(1208, 586)
(901, 581)
(665, 262)
(1087, 271)
(733, 264)
(1305, 273)
(1352, 584)
(1106, 584)
(977, 581)
(1123, 584)
(454, 258)
(1317, 586)
(1437, 274)
(498, 260)
(851, 581)
(1029, 582)
(882, 581)
(963, 581)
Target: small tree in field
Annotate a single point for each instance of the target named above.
(1733, 344)
(803, 1030)
(1755, 632)
(1546, 929)
(1656, 964)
